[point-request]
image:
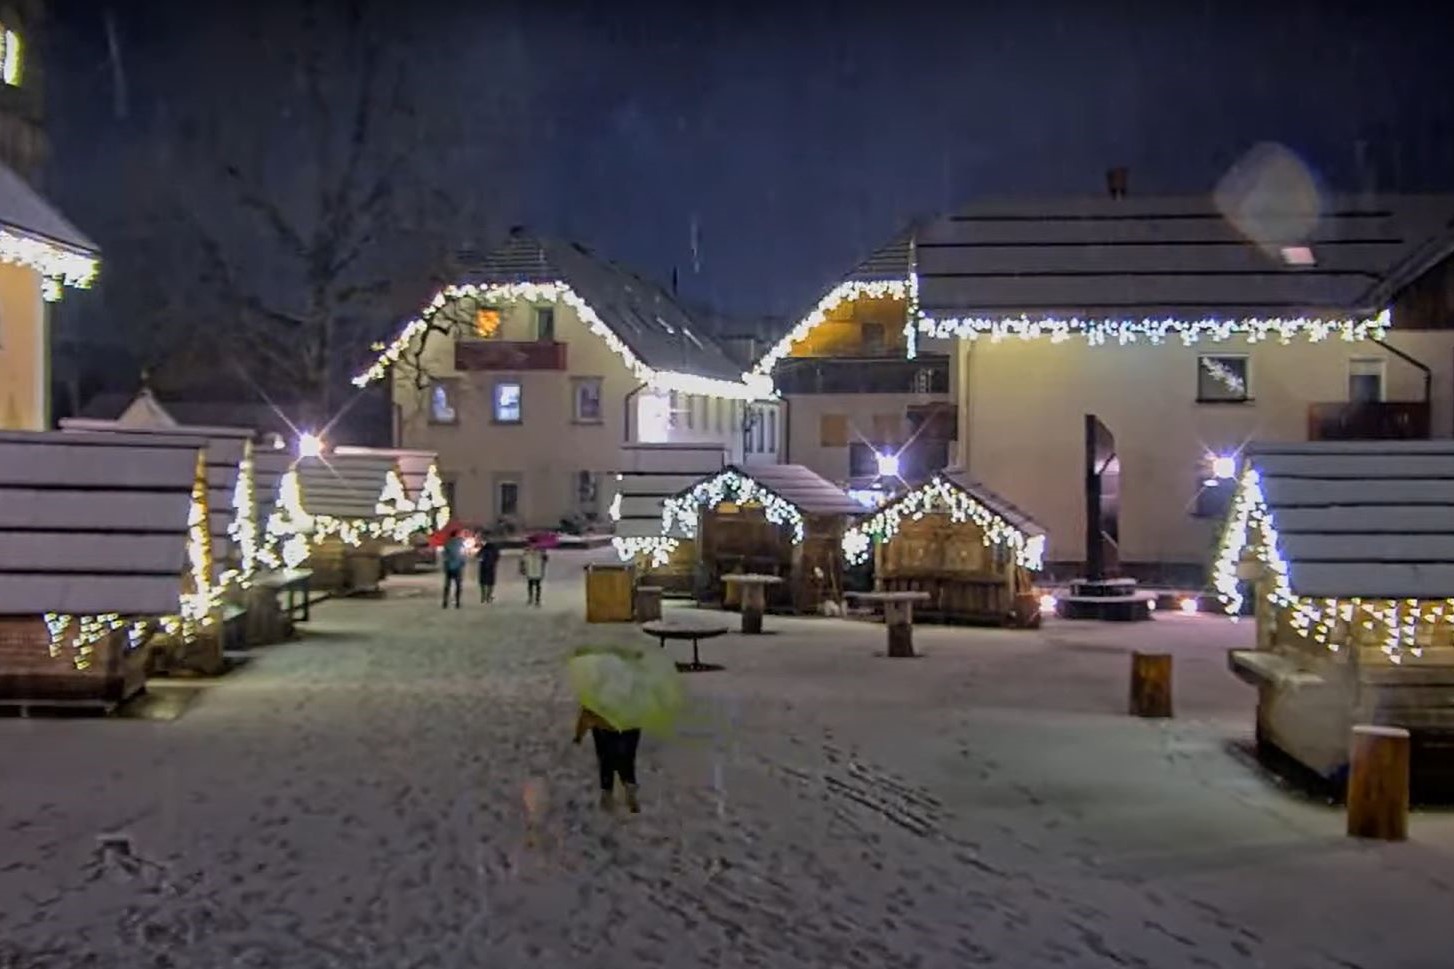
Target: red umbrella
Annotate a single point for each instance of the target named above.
(544, 540)
(439, 538)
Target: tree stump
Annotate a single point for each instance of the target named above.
(1378, 783)
(648, 603)
(1150, 685)
(899, 618)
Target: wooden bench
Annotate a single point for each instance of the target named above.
(667, 629)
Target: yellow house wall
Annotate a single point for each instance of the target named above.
(1022, 406)
(24, 351)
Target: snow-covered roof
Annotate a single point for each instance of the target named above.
(90, 527)
(652, 473)
(659, 331)
(803, 488)
(1370, 519)
(992, 500)
(344, 485)
(1167, 257)
(413, 464)
(23, 208)
(268, 469)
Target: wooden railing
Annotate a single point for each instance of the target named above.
(509, 355)
(1368, 421)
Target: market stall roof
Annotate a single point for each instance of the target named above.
(1370, 519)
(413, 464)
(651, 473)
(93, 527)
(344, 485)
(802, 488)
(995, 502)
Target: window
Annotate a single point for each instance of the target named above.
(691, 411)
(759, 426)
(10, 48)
(442, 408)
(721, 406)
(585, 489)
(1223, 379)
(545, 323)
(1365, 380)
(833, 430)
(586, 400)
(507, 499)
(487, 323)
(772, 431)
(508, 409)
(673, 410)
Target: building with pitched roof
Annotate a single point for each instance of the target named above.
(530, 375)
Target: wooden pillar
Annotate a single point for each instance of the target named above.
(1378, 783)
(648, 603)
(754, 601)
(899, 618)
(1150, 685)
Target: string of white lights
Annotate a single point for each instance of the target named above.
(941, 495)
(1099, 332)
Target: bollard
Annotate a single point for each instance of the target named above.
(1150, 684)
(898, 617)
(648, 603)
(1378, 783)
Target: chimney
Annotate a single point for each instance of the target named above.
(1116, 182)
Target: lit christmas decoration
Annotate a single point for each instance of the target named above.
(1223, 375)
(911, 332)
(681, 510)
(888, 465)
(1250, 536)
(752, 386)
(196, 602)
(432, 504)
(1098, 332)
(243, 529)
(941, 495)
(1224, 466)
(844, 292)
(58, 266)
(658, 547)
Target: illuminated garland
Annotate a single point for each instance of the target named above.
(1331, 623)
(432, 502)
(57, 266)
(941, 495)
(844, 292)
(79, 635)
(243, 529)
(911, 333)
(195, 606)
(681, 510)
(751, 387)
(659, 547)
(288, 525)
(1098, 332)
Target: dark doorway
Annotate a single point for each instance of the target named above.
(1102, 501)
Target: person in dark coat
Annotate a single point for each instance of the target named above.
(489, 562)
(454, 562)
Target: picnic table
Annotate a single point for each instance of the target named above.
(898, 610)
(664, 629)
(754, 597)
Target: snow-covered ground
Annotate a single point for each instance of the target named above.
(399, 789)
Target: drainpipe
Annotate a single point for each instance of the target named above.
(786, 426)
(626, 434)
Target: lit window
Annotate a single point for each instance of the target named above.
(487, 322)
(586, 397)
(507, 402)
(10, 49)
(1222, 379)
(442, 408)
(1365, 380)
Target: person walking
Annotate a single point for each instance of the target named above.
(532, 566)
(489, 563)
(615, 755)
(454, 559)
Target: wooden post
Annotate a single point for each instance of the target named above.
(1378, 783)
(1150, 685)
(899, 618)
(754, 601)
(648, 603)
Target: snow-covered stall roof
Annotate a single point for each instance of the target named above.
(345, 486)
(786, 492)
(224, 449)
(268, 469)
(1366, 519)
(964, 499)
(413, 464)
(807, 490)
(93, 527)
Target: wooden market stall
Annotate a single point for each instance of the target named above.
(424, 490)
(972, 552)
(1346, 550)
(104, 560)
(779, 519)
(649, 475)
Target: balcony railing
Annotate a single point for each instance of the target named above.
(1368, 421)
(509, 355)
(863, 375)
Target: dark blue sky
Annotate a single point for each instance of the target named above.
(799, 141)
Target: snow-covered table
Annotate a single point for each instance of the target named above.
(898, 617)
(754, 598)
(664, 629)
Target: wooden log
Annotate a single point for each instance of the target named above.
(899, 618)
(1150, 685)
(648, 603)
(1378, 783)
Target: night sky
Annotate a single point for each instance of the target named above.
(797, 142)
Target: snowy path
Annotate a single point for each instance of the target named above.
(359, 799)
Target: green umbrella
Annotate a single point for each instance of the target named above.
(629, 688)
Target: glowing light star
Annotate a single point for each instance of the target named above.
(1188, 604)
(1047, 603)
(1224, 467)
(888, 465)
(310, 445)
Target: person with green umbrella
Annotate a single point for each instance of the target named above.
(622, 691)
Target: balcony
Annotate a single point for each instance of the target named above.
(863, 375)
(509, 355)
(1369, 421)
